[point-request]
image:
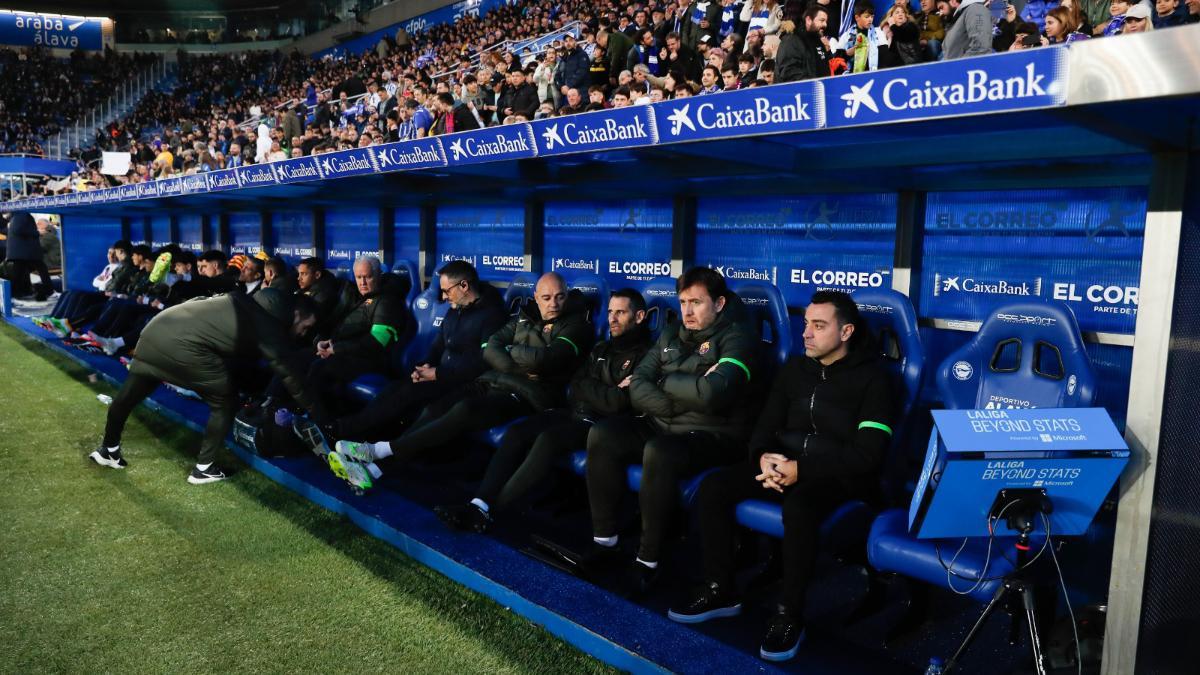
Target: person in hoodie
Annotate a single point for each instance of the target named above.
(531, 360)
(820, 441)
(970, 34)
(455, 357)
(692, 389)
(530, 447)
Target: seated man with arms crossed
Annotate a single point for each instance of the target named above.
(819, 442)
(693, 387)
(531, 358)
(599, 389)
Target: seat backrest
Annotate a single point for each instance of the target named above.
(520, 291)
(893, 323)
(767, 311)
(407, 268)
(428, 310)
(1027, 354)
(662, 304)
(594, 289)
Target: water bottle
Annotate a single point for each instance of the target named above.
(935, 666)
(104, 398)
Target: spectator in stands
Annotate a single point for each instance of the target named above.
(703, 18)
(804, 55)
(422, 116)
(543, 77)
(1137, 20)
(693, 389)
(520, 98)
(1116, 21)
(621, 98)
(598, 74)
(644, 53)
(276, 154)
(903, 45)
(530, 447)
(369, 318)
(932, 31)
(710, 79)
(1058, 22)
(970, 34)
(532, 358)
(574, 103)
(1035, 12)
(762, 16)
(820, 441)
(862, 39)
(454, 359)
(191, 346)
(573, 71)
(1168, 13)
(679, 57)
(25, 257)
(617, 47)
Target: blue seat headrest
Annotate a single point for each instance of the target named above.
(662, 304)
(893, 323)
(519, 291)
(594, 289)
(767, 311)
(1027, 354)
(428, 310)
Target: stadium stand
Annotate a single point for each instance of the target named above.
(212, 118)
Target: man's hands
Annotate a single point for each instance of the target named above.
(325, 349)
(424, 373)
(777, 471)
(624, 384)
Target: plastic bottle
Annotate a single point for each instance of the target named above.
(104, 398)
(935, 666)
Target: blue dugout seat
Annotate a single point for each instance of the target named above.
(893, 324)
(1026, 355)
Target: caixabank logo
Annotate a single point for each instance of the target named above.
(420, 154)
(619, 128)
(790, 107)
(575, 265)
(513, 141)
(948, 284)
(1034, 78)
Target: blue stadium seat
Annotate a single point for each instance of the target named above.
(768, 312)
(893, 323)
(407, 268)
(428, 311)
(1028, 354)
(519, 291)
(595, 295)
(662, 304)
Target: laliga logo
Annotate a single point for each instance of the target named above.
(898, 95)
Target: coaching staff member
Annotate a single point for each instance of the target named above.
(191, 345)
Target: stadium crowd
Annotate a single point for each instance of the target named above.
(254, 107)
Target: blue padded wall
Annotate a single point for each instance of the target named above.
(85, 241)
(627, 242)
(800, 243)
(160, 231)
(350, 233)
(492, 238)
(406, 240)
(291, 235)
(245, 233)
(191, 232)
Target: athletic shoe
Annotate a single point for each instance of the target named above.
(60, 327)
(784, 636)
(463, 517)
(107, 345)
(641, 579)
(161, 267)
(359, 452)
(210, 475)
(110, 458)
(310, 434)
(709, 601)
(41, 322)
(350, 471)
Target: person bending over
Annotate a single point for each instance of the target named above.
(191, 346)
(820, 441)
(692, 388)
(530, 447)
(531, 359)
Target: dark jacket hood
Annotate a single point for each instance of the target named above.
(276, 304)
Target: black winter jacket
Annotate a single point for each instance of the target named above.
(547, 350)
(573, 71)
(594, 392)
(366, 325)
(324, 293)
(800, 56)
(23, 240)
(457, 350)
(836, 421)
(671, 387)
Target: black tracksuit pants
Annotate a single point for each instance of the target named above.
(135, 390)
(396, 406)
(527, 455)
(805, 505)
(615, 443)
(467, 410)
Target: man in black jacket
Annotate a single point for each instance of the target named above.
(313, 280)
(599, 389)
(531, 359)
(573, 67)
(24, 257)
(803, 54)
(455, 357)
(819, 442)
(191, 346)
(519, 98)
(693, 390)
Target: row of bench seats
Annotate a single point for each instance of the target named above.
(1030, 351)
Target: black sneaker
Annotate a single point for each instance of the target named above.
(463, 517)
(709, 601)
(210, 475)
(311, 435)
(784, 635)
(111, 459)
(641, 580)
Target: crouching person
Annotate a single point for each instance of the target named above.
(191, 346)
(819, 442)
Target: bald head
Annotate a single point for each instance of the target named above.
(550, 294)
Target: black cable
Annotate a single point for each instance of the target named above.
(991, 537)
